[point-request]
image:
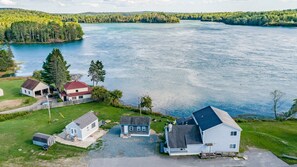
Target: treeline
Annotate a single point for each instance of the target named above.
(269, 18)
(23, 26)
(145, 17)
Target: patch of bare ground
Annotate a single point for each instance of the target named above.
(8, 104)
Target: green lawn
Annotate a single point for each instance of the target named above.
(277, 137)
(17, 133)
(11, 88)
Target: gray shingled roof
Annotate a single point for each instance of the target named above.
(86, 119)
(181, 135)
(209, 117)
(135, 120)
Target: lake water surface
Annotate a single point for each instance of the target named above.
(185, 66)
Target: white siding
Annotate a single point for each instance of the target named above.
(221, 138)
(41, 86)
(87, 96)
(72, 125)
(27, 92)
(74, 90)
(88, 130)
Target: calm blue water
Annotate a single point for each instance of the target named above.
(185, 66)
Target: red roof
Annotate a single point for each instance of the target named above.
(75, 85)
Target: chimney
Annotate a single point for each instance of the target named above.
(170, 127)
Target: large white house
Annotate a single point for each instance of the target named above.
(34, 88)
(209, 130)
(82, 127)
(75, 90)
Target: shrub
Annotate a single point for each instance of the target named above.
(4, 117)
(59, 100)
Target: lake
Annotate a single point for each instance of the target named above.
(185, 66)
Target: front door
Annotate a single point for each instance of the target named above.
(73, 132)
(125, 129)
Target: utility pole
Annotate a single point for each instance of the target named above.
(49, 110)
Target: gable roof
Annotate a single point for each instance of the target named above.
(209, 117)
(181, 135)
(75, 85)
(86, 119)
(135, 120)
(30, 84)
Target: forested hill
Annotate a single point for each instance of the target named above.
(24, 26)
(268, 18)
(133, 17)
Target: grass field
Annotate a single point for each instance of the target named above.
(17, 133)
(277, 137)
(11, 88)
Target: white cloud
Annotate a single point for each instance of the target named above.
(7, 2)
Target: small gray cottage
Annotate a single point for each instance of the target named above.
(83, 127)
(135, 126)
(43, 140)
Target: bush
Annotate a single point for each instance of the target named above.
(27, 101)
(5, 117)
(59, 100)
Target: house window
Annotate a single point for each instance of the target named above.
(76, 90)
(232, 145)
(130, 128)
(93, 125)
(73, 98)
(25, 91)
(73, 131)
(81, 97)
(29, 92)
(143, 129)
(138, 128)
(233, 133)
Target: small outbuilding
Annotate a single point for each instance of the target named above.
(83, 127)
(34, 88)
(1, 92)
(135, 126)
(43, 140)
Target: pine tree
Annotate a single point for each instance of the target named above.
(55, 69)
(96, 72)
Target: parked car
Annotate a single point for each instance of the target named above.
(46, 103)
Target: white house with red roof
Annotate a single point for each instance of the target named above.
(76, 90)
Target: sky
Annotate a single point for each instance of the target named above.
(78, 6)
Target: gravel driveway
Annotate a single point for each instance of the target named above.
(115, 146)
(143, 151)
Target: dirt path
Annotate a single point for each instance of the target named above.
(7, 104)
(26, 108)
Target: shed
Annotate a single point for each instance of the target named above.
(135, 126)
(41, 139)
